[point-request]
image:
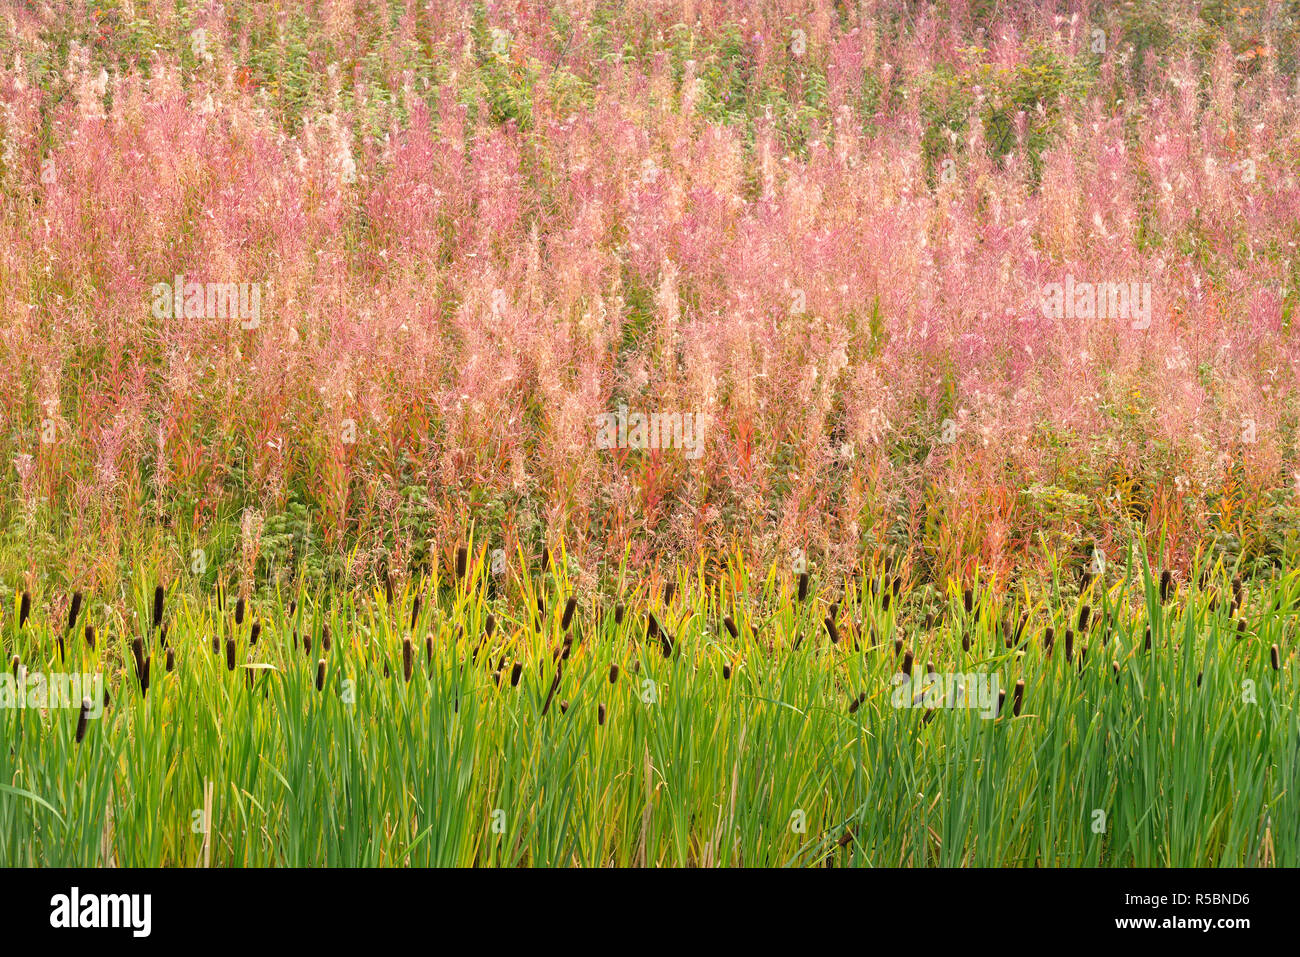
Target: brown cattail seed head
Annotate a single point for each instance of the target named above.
(462, 561)
(613, 673)
(157, 606)
(1275, 657)
(968, 600)
(1147, 640)
(515, 673)
(1018, 698)
(1166, 585)
(24, 609)
(731, 627)
(651, 626)
(570, 607)
(320, 675)
(600, 714)
(254, 632)
(726, 672)
(230, 654)
(239, 612)
(803, 586)
(669, 590)
(90, 636)
(618, 613)
(833, 631)
(74, 610)
(171, 660)
(83, 718)
(907, 663)
(1084, 614)
(325, 637)
(408, 658)
(490, 624)
(1069, 644)
(415, 611)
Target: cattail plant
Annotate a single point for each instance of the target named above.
(144, 676)
(254, 632)
(325, 637)
(516, 673)
(907, 663)
(320, 675)
(803, 586)
(230, 654)
(1069, 645)
(731, 627)
(74, 610)
(1018, 698)
(613, 673)
(24, 609)
(555, 684)
(462, 562)
(415, 610)
(1049, 638)
(726, 672)
(651, 626)
(1084, 614)
(408, 658)
(619, 611)
(570, 607)
(1166, 585)
(239, 612)
(90, 636)
(833, 631)
(83, 719)
(669, 590)
(600, 715)
(171, 660)
(158, 597)
(1275, 657)
(968, 600)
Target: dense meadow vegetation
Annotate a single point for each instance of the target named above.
(964, 335)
